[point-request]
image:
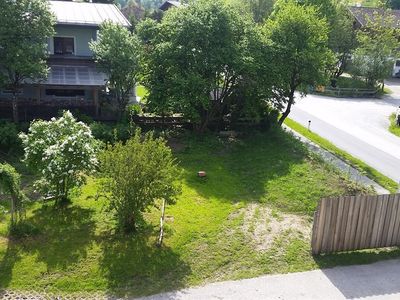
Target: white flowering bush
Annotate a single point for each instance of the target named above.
(63, 151)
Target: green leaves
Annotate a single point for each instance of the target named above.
(378, 47)
(117, 52)
(25, 26)
(196, 59)
(62, 151)
(136, 174)
(299, 38)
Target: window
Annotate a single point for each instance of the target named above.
(65, 93)
(397, 63)
(64, 45)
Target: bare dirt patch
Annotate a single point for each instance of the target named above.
(263, 225)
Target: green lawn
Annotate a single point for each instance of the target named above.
(393, 128)
(372, 173)
(251, 215)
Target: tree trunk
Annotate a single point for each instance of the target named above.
(130, 224)
(15, 107)
(288, 107)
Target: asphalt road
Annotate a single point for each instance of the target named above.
(375, 281)
(358, 126)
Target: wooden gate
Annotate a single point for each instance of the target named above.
(356, 222)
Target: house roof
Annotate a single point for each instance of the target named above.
(170, 3)
(87, 14)
(363, 15)
(75, 75)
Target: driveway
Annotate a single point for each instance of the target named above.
(375, 281)
(358, 126)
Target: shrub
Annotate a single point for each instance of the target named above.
(62, 150)
(111, 133)
(10, 182)
(135, 175)
(9, 141)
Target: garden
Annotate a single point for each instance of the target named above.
(250, 215)
(119, 209)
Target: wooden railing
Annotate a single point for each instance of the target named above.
(346, 92)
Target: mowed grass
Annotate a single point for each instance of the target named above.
(210, 235)
(393, 128)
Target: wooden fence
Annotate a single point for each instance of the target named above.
(357, 222)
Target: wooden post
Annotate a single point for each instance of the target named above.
(160, 238)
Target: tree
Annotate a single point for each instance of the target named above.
(342, 39)
(10, 182)
(378, 47)
(259, 9)
(299, 39)
(135, 175)
(117, 53)
(196, 58)
(25, 26)
(62, 151)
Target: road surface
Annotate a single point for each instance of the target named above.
(358, 126)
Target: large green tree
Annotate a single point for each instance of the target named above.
(299, 39)
(25, 26)
(342, 39)
(117, 53)
(259, 9)
(196, 59)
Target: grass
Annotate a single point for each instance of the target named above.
(393, 128)
(77, 249)
(370, 172)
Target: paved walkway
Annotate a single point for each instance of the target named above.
(375, 281)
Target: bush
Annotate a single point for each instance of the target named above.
(135, 175)
(62, 150)
(23, 229)
(111, 133)
(9, 141)
(10, 182)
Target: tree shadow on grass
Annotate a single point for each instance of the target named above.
(62, 240)
(239, 170)
(134, 266)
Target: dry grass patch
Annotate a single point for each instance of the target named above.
(263, 225)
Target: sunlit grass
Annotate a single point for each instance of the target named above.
(78, 250)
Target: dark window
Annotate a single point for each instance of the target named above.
(65, 93)
(64, 45)
(397, 63)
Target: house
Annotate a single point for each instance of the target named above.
(364, 15)
(73, 81)
(169, 4)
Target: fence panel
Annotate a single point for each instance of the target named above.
(356, 222)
